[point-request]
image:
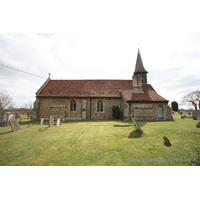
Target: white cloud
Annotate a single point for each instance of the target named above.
(101, 42)
(172, 60)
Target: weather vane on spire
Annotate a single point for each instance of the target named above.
(138, 46)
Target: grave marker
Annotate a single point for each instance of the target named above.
(41, 121)
(58, 122)
(194, 115)
(51, 120)
(14, 125)
(20, 119)
(166, 141)
(136, 124)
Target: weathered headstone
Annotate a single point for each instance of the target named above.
(136, 124)
(194, 115)
(20, 119)
(51, 120)
(14, 125)
(182, 117)
(12, 115)
(58, 122)
(166, 141)
(30, 125)
(41, 121)
(4, 117)
(199, 114)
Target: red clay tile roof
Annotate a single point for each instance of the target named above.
(84, 88)
(97, 88)
(149, 95)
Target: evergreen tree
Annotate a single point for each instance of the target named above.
(115, 112)
(174, 106)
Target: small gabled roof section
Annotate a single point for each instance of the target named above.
(149, 95)
(139, 67)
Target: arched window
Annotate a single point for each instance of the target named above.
(160, 112)
(73, 105)
(99, 106)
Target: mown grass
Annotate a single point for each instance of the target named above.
(98, 143)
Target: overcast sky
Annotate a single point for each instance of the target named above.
(100, 41)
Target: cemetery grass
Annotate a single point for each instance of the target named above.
(98, 143)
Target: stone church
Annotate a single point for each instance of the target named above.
(94, 99)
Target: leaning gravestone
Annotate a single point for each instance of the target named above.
(51, 120)
(166, 141)
(194, 115)
(41, 121)
(58, 122)
(14, 125)
(136, 124)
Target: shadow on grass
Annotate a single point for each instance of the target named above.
(135, 134)
(167, 145)
(6, 132)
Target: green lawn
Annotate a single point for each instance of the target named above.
(98, 143)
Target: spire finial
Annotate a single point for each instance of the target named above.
(138, 46)
(49, 75)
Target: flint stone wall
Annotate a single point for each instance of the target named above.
(148, 111)
(86, 109)
(60, 108)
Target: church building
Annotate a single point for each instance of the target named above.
(94, 99)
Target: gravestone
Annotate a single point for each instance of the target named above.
(41, 121)
(51, 120)
(14, 125)
(20, 119)
(166, 141)
(182, 117)
(30, 125)
(194, 115)
(12, 115)
(199, 114)
(5, 118)
(58, 122)
(136, 124)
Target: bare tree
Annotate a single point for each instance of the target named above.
(192, 98)
(5, 100)
(28, 107)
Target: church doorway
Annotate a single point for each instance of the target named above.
(160, 112)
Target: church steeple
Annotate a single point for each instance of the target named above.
(139, 68)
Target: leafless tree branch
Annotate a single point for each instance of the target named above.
(5, 100)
